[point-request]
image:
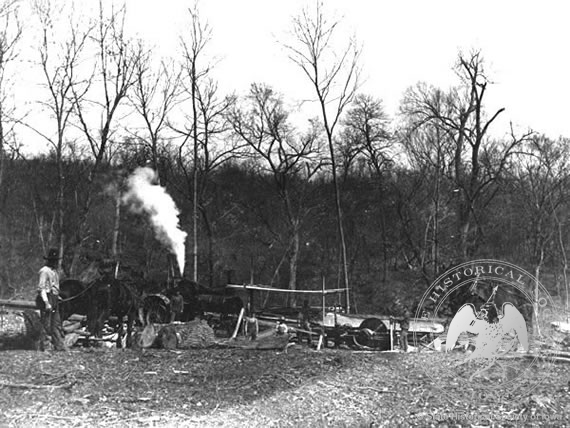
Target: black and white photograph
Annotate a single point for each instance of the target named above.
(284, 213)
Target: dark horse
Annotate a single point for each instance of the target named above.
(75, 298)
(113, 300)
(104, 299)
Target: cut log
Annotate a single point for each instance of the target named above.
(167, 337)
(71, 339)
(69, 327)
(146, 338)
(18, 304)
(12, 325)
(195, 334)
(20, 330)
(300, 330)
(77, 317)
(270, 342)
(265, 334)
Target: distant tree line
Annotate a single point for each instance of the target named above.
(351, 197)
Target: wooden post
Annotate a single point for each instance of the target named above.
(322, 336)
(251, 303)
(391, 335)
(324, 301)
(320, 344)
(238, 323)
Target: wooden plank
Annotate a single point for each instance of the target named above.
(246, 287)
(238, 324)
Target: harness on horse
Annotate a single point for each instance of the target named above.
(85, 290)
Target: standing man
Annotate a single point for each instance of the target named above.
(305, 322)
(176, 306)
(251, 327)
(47, 302)
(404, 328)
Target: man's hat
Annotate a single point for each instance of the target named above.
(53, 254)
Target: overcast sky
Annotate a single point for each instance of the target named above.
(525, 45)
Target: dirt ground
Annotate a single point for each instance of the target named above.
(299, 387)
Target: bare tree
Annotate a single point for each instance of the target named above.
(335, 79)
(541, 179)
(59, 63)
(366, 129)
(429, 149)
(101, 96)
(291, 158)
(213, 149)
(193, 49)
(366, 135)
(204, 128)
(474, 163)
(156, 92)
(10, 35)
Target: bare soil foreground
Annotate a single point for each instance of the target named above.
(234, 388)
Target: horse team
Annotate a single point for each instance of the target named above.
(119, 303)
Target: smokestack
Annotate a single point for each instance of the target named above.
(173, 267)
(229, 276)
(145, 196)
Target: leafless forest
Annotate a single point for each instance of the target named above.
(349, 195)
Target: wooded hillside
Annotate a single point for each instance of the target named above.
(382, 203)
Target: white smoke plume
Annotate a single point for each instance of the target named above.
(143, 196)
